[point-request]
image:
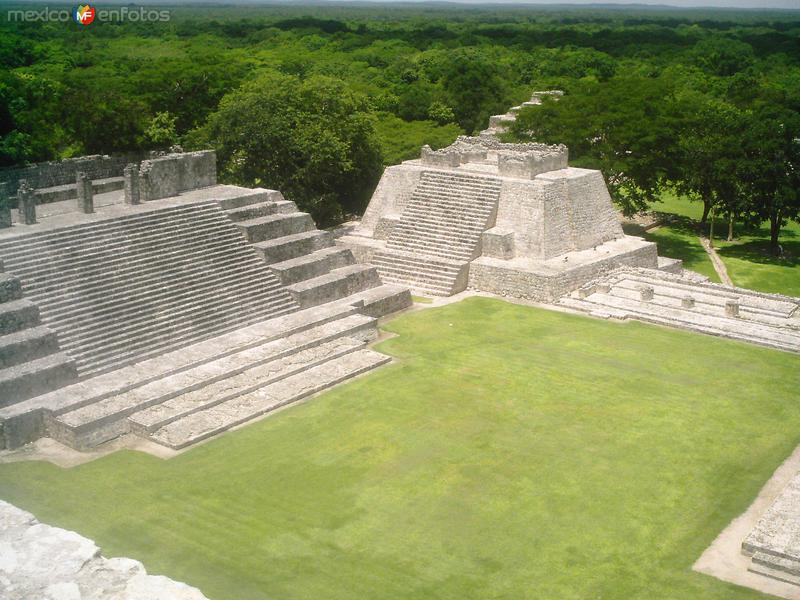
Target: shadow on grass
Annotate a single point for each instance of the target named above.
(758, 251)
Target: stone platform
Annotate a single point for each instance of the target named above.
(774, 543)
(41, 562)
(511, 219)
(178, 317)
(668, 299)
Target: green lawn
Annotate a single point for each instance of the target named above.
(512, 452)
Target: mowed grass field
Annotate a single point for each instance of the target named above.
(510, 452)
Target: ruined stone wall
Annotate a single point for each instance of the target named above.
(51, 174)
(493, 276)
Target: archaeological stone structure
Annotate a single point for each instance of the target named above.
(516, 220)
(774, 544)
(41, 562)
(173, 308)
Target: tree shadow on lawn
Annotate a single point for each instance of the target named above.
(758, 251)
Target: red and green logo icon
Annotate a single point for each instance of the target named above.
(84, 14)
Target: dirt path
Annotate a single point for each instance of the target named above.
(719, 266)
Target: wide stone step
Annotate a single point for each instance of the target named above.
(252, 211)
(77, 235)
(201, 313)
(427, 288)
(221, 417)
(774, 568)
(465, 229)
(191, 327)
(423, 267)
(382, 300)
(275, 226)
(255, 196)
(444, 204)
(292, 246)
(160, 402)
(79, 293)
(703, 304)
(433, 263)
(17, 315)
(431, 249)
(169, 292)
(335, 285)
(738, 329)
(10, 288)
(96, 254)
(776, 304)
(312, 265)
(410, 276)
(27, 344)
(467, 243)
(29, 379)
(477, 199)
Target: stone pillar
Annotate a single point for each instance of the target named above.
(732, 308)
(85, 194)
(5, 207)
(687, 302)
(646, 292)
(131, 173)
(26, 198)
(144, 181)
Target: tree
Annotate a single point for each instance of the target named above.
(312, 139)
(708, 155)
(771, 171)
(619, 127)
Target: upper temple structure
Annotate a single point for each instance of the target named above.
(513, 219)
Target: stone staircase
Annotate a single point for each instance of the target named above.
(305, 259)
(188, 395)
(31, 362)
(121, 290)
(668, 299)
(439, 232)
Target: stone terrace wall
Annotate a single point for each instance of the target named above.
(51, 174)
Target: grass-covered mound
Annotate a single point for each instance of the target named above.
(511, 452)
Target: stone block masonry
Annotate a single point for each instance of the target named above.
(27, 203)
(41, 562)
(85, 195)
(131, 193)
(5, 207)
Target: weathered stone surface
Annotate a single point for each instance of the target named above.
(132, 194)
(26, 200)
(84, 194)
(40, 561)
(774, 543)
(685, 302)
(5, 206)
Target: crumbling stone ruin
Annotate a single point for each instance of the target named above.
(173, 308)
(49, 563)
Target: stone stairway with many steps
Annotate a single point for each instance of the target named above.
(668, 299)
(305, 259)
(188, 395)
(439, 232)
(122, 290)
(31, 361)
